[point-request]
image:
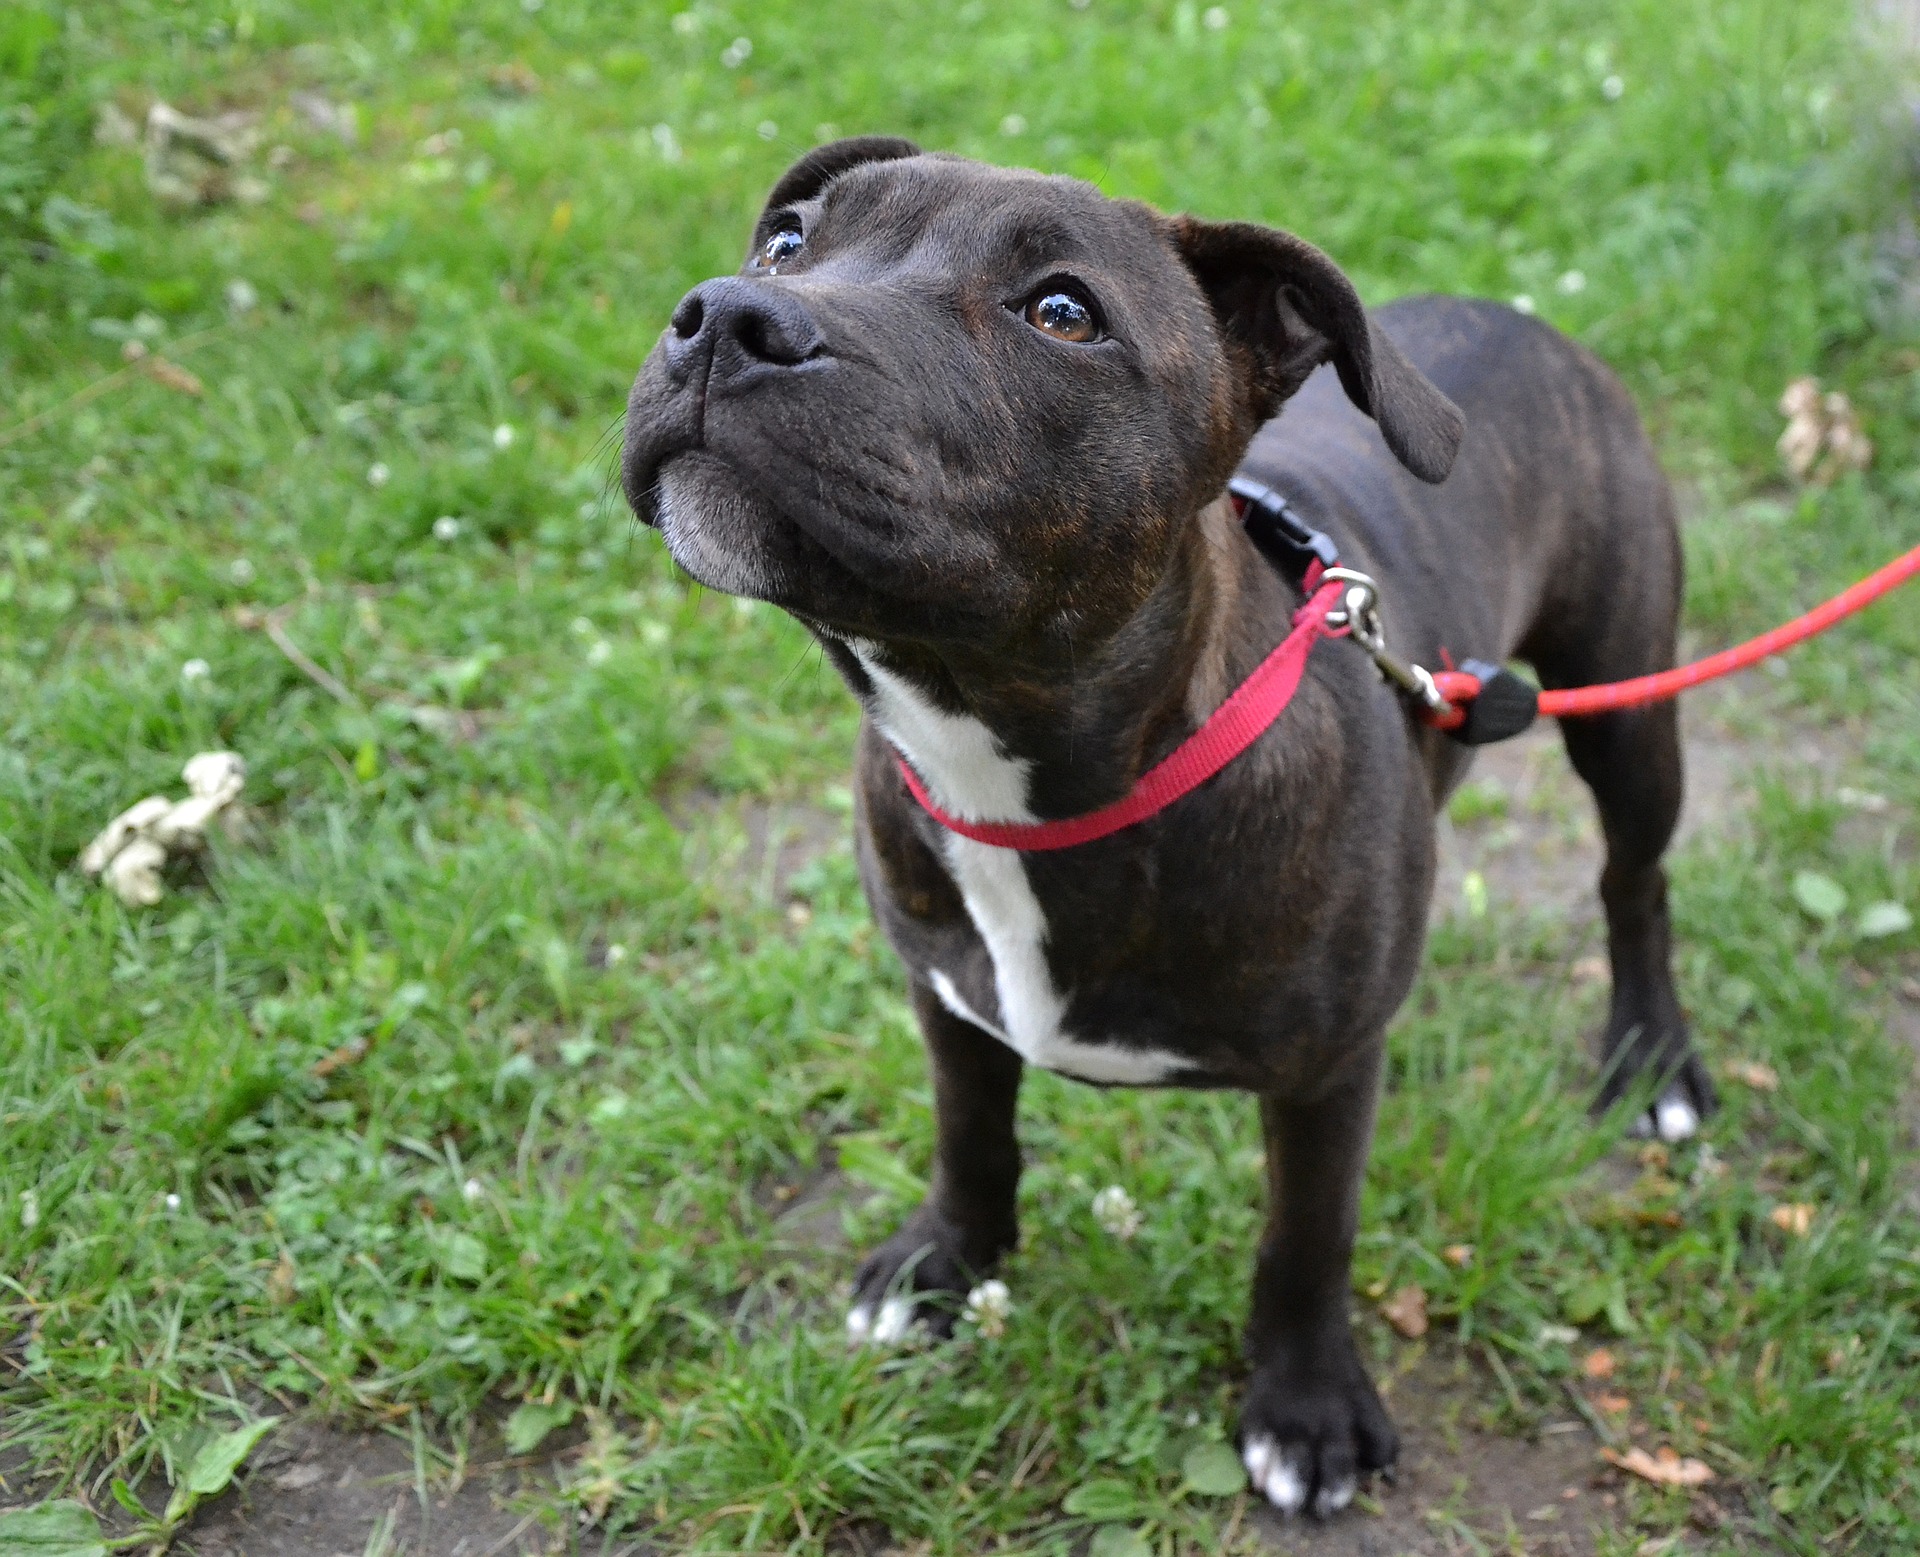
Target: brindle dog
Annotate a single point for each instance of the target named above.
(972, 427)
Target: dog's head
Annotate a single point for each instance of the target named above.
(944, 401)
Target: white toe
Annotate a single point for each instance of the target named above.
(896, 1318)
(859, 1322)
(1286, 1488)
(1332, 1499)
(1257, 1456)
(1641, 1128)
(1675, 1119)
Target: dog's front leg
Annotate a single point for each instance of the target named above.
(968, 1219)
(1312, 1422)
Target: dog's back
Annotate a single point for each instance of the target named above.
(1553, 540)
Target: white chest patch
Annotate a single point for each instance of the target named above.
(965, 770)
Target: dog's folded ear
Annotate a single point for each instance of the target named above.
(819, 167)
(1284, 308)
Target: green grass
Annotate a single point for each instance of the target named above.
(554, 1171)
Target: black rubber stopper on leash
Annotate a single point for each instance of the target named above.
(1505, 706)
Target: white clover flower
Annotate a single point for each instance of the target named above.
(195, 669)
(378, 475)
(616, 954)
(988, 1306)
(241, 297)
(599, 652)
(29, 1209)
(446, 528)
(766, 129)
(240, 570)
(1572, 283)
(581, 627)
(1113, 1209)
(1523, 303)
(1014, 124)
(1216, 18)
(737, 53)
(503, 436)
(173, 1201)
(473, 1191)
(1611, 88)
(1558, 1335)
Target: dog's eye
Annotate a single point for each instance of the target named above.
(781, 245)
(1063, 316)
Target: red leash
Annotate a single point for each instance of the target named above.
(1670, 683)
(1259, 700)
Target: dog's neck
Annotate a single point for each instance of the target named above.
(996, 742)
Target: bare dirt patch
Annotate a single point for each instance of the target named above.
(1536, 842)
(316, 1490)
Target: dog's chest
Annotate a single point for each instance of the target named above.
(968, 774)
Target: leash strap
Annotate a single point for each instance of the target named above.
(1475, 704)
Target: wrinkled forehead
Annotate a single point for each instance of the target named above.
(947, 215)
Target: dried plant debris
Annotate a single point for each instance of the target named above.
(1406, 1311)
(1823, 439)
(1664, 1467)
(196, 162)
(132, 849)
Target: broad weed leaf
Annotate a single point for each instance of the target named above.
(60, 1529)
(461, 1255)
(1820, 896)
(213, 1465)
(1118, 1541)
(1102, 1499)
(1213, 1470)
(529, 1425)
(1878, 920)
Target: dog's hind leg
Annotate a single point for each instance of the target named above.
(968, 1219)
(1631, 762)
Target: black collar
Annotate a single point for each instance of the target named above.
(1288, 541)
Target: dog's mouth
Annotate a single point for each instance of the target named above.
(721, 531)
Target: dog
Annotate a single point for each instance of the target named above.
(974, 428)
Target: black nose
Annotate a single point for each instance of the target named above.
(746, 328)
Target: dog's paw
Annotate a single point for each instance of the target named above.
(887, 1325)
(1685, 1098)
(1307, 1439)
(917, 1281)
(1684, 1102)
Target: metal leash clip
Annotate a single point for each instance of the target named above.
(1359, 613)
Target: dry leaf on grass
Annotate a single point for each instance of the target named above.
(1599, 1364)
(283, 1282)
(1663, 1468)
(1753, 1073)
(347, 1054)
(1613, 1405)
(1795, 1218)
(1406, 1311)
(174, 376)
(1458, 1255)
